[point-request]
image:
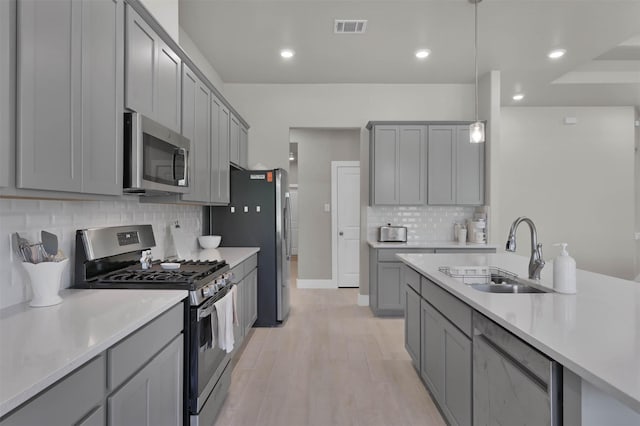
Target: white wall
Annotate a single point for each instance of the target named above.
(317, 148)
(198, 58)
(272, 109)
(29, 217)
(166, 13)
(575, 181)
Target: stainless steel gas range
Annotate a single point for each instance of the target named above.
(109, 258)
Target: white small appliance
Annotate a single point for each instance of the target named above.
(477, 231)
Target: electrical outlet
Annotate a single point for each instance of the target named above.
(327, 207)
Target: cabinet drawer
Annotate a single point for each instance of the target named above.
(133, 352)
(67, 401)
(238, 272)
(453, 309)
(411, 278)
(389, 255)
(250, 264)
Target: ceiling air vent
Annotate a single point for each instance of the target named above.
(350, 26)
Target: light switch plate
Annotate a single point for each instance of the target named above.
(233, 209)
(257, 209)
(246, 209)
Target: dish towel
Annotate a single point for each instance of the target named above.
(224, 310)
(234, 292)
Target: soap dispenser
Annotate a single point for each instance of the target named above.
(564, 272)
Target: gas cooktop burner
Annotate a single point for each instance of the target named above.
(189, 272)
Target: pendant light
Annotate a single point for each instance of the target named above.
(476, 129)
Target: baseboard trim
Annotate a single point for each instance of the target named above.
(363, 300)
(309, 284)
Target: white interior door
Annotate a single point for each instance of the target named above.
(346, 186)
(293, 199)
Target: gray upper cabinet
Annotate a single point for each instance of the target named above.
(234, 141)
(243, 160)
(196, 119)
(152, 73)
(7, 88)
(398, 165)
(69, 116)
(220, 119)
(456, 167)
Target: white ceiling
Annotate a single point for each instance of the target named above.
(242, 40)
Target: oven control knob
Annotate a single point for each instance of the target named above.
(206, 291)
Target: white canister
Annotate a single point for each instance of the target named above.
(45, 278)
(462, 236)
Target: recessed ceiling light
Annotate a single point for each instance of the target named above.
(518, 97)
(287, 53)
(422, 53)
(557, 53)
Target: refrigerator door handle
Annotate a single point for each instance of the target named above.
(287, 212)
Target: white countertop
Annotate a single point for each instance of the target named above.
(233, 255)
(42, 345)
(595, 333)
(431, 245)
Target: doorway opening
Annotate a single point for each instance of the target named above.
(313, 150)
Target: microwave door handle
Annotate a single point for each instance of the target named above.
(185, 154)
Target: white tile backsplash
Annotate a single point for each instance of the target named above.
(29, 217)
(424, 223)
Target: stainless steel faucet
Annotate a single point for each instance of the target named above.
(536, 262)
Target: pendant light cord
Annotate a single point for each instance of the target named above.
(476, 52)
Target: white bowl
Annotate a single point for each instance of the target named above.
(170, 265)
(209, 241)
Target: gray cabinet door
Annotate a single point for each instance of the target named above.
(102, 92)
(168, 87)
(49, 66)
(412, 179)
(412, 325)
(195, 127)
(441, 165)
(384, 160)
(244, 147)
(469, 169)
(431, 362)
(70, 96)
(252, 299)
(234, 141)
(238, 329)
(219, 152)
(457, 395)
(7, 90)
(390, 291)
(154, 395)
(141, 58)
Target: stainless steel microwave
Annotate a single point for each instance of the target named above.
(156, 158)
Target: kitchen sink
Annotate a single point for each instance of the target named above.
(490, 279)
(509, 288)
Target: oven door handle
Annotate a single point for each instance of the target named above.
(205, 311)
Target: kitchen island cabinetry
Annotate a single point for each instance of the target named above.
(455, 167)
(398, 165)
(69, 96)
(136, 380)
(152, 73)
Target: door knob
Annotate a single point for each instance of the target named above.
(341, 233)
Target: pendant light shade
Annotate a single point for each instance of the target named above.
(476, 129)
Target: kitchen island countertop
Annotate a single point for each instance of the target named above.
(594, 333)
(42, 345)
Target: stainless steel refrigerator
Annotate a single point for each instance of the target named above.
(259, 216)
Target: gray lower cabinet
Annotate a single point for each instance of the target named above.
(68, 402)
(412, 335)
(446, 365)
(154, 395)
(152, 73)
(246, 276)
(398, 165)
(137, 381)
(196, 126)
(455, 167)
(69, 95)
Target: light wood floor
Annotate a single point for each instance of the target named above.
(332, 363)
